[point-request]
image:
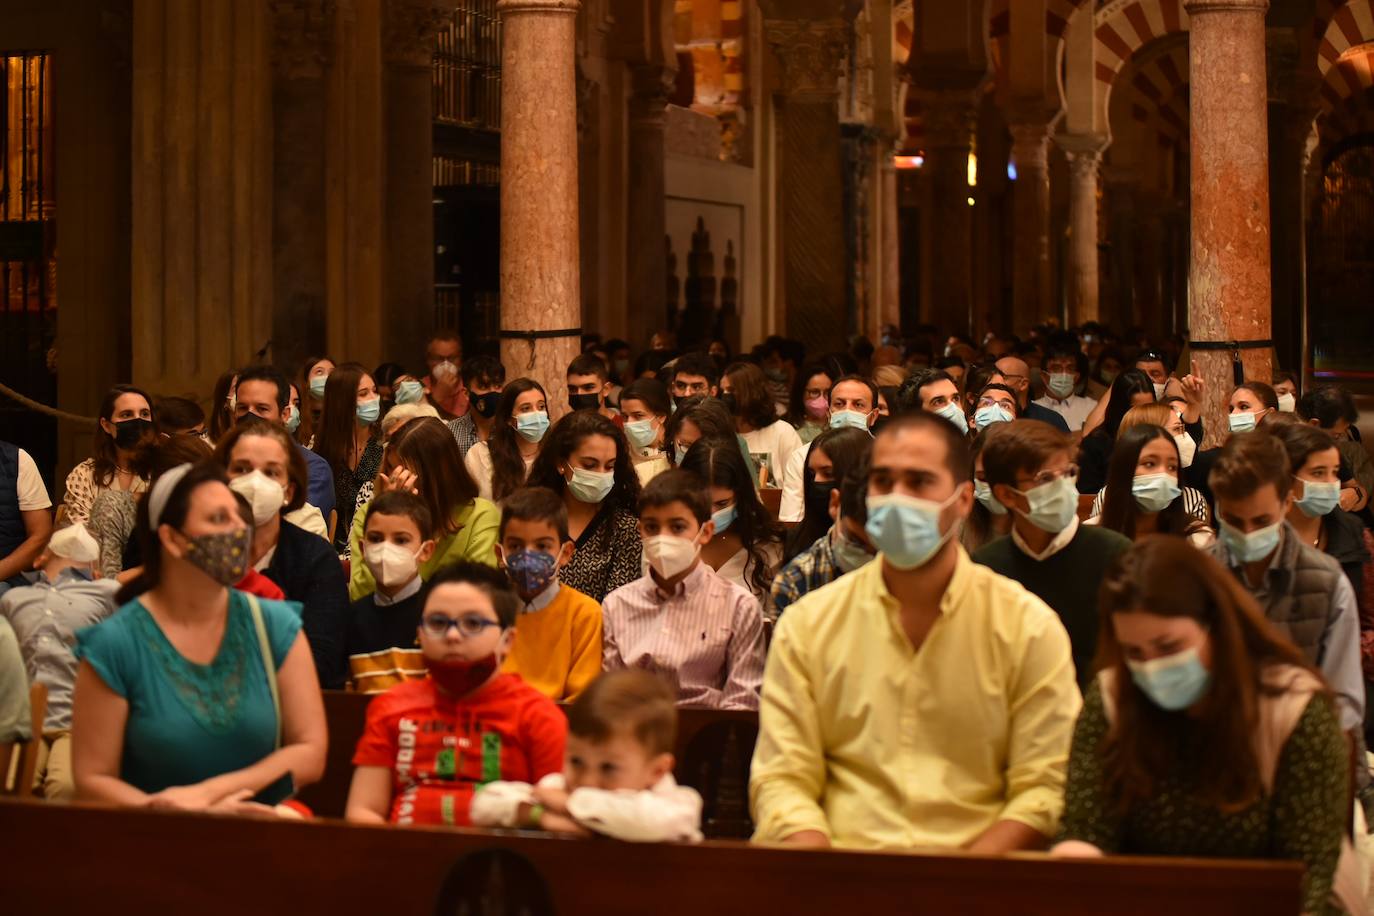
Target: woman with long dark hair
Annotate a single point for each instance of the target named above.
(828, 459)
(1145, 493)
(771, 440)
(347, 439)
(645, 405)
(423, 458)
(501, 464)
(1131, 388)
(126, 422)
(1204, 733)
(989, 519)
(747, 546)
(586, 461)
(315, 372)
(809, 408)
(195, 696)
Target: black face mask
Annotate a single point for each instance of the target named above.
(129, 433)
(584, 401)
(818, 498)
(485, 404)
(878, 424)
(728, 399)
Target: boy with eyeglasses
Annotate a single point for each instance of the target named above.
(428, 744)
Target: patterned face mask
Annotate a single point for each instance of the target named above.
(222, 557)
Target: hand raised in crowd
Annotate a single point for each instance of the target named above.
(401, 480)
(1193, 385)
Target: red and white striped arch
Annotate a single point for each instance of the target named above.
(1123, 27)
(1345, 55)
(1159, 89)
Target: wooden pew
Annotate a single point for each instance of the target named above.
(713, 753)
(76, 859)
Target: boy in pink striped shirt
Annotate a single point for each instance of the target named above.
(681, 620)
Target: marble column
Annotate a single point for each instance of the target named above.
(539, 231)
(1085, 162)
(949, 121)
(811, 180)
(410, 30)
(1288, 150)
(647, 266)
(1229, 270)
(202, 247)
(303, 42)
(1032, 300)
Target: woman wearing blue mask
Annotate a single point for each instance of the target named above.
(1316, 515)
(348, 438)
(586, 461)
(1131, 388)
(1205, 734)
(699, 418)
(747, 546)
(1249, 404)
(644, 404)
(501, 464)
(314, 375)
(989, 519)
(1144, 493)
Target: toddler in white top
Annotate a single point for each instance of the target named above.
(617, 777)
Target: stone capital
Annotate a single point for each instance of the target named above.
(1084, 152)
(1195, 7)
(411, 32)
(1030, 144)
(949, 117)
(507, 7)
(302, 37)
(810, 54)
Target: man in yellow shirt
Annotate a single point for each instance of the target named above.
(922, 700)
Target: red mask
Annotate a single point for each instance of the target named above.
(460, 678)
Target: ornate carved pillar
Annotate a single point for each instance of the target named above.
(302, 53)
(811, 180)
(648, 266)
(539, 231)
(1031, 268)
(411, 28)
(202, 240)
(1230, 200)
(1085, 161)
(949, 122)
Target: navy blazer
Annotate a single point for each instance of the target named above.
(320, 491)
(306, 568)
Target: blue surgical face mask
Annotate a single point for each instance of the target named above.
(641, 433)
(591, 486)
(317, 386)
(907, 529)
(983, 491)
(369, 412)
(849, 553)
(955, 415)
(679, 453)
(1319, 498)
(410, 392)
(293, 419)
(1173, 682)
(1052, 505)
(532, 426)
(1241, 422)
(1154, 492)
(848, 419)
(1061, 384)
(724, 518)
(992, 413)
(1252, 547)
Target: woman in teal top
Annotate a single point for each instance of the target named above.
(173, 706)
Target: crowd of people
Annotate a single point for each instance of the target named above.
(994, 595)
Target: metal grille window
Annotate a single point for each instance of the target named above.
(28, 248)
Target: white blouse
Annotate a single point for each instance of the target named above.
(82, 490)
(478, 463)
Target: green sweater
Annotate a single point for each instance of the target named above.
(1068, 582)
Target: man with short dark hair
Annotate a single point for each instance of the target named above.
(263, 392)
(589, 382)
(1030, 467)
(1063, 371)
(935, 391)
(964, 681)
(483, 378)
(695, 373)
(1331, 408)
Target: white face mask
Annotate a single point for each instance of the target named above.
(264, 494)
(668, 555)
(391, 564)
(1287, 403)
(1187, 448)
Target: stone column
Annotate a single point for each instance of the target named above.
(410, 29)
(302, 55)
(202, 177)
(539, 259)
(949, 124)
(1032, 300)
(1085, 162)
(647, 266)
(811, 181)
(1229, 272)
(1288, 193)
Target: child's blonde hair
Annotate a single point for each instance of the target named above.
(630, 701)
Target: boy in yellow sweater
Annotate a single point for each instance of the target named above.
(557, 647)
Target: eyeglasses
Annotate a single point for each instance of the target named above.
(469, 625)
(1004, 404)
(1044, 477)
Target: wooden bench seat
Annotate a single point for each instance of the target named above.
(78, 859)
(713, 752)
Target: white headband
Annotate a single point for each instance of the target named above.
(162, 491)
